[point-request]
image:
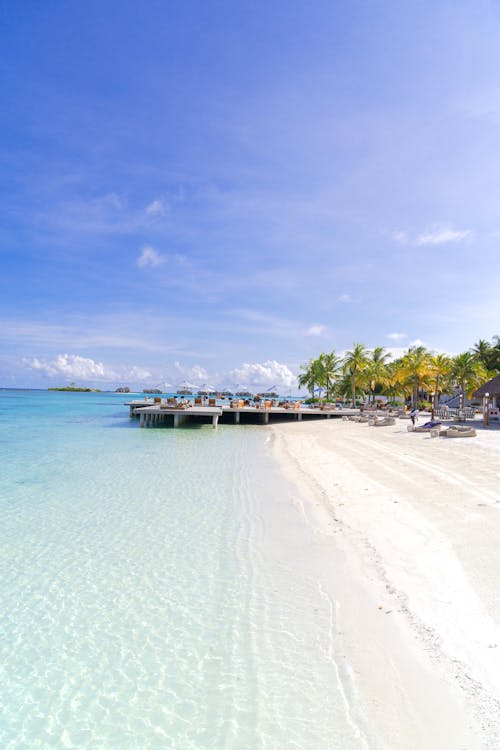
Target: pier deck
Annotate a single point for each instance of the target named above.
(154, 414)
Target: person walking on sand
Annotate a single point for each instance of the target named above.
(414, 415)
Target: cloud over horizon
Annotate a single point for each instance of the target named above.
(85, 369)
(262, 374)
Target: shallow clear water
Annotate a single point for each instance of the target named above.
(147, 598)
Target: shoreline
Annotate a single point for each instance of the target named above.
(407, 527)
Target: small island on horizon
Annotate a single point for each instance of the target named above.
(74, 388)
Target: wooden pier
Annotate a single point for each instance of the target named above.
(153, 414)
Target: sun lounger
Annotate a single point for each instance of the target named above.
(427, 427)
(458, 431)
(385, 422)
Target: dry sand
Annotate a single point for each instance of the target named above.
(408, 529)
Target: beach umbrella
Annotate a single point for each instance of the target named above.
(242, 390)
(272, 389)
(185, 386)
(206, 389)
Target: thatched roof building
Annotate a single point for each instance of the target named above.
(492, 387)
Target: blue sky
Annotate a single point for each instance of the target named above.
(218, 191)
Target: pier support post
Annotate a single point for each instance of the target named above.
(141, 419)
(265, 417)
(299, 417)
(215, 421)
(179, 419)
(236, 417)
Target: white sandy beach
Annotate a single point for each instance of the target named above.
(407, 532)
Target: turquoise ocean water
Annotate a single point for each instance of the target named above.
(147, 598)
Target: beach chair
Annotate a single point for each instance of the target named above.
(427, 427)
(458, 431)
(197, 401)
(212, 402)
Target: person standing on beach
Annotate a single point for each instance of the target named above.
(414, 415)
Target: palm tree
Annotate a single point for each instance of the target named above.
(468, 374)
(355, 362)
(310, 375)
(396, 385)
(493, 362)
(481, 349)
(376, 372)
(329, 366)
(415, 366)
(441, 367)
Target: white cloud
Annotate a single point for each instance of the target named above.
(437, 235)
(72, 367)
(442, 235)
(137, 373)
(316, 330)
(397, 336)
(113, 200)
(85, 369)
(157, 208)
(149, 257)
(195, 373)
(400, 236)
(418, 342)
(267, 373)
(395, 352)
(346, 298)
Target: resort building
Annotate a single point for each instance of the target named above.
(491, 389)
